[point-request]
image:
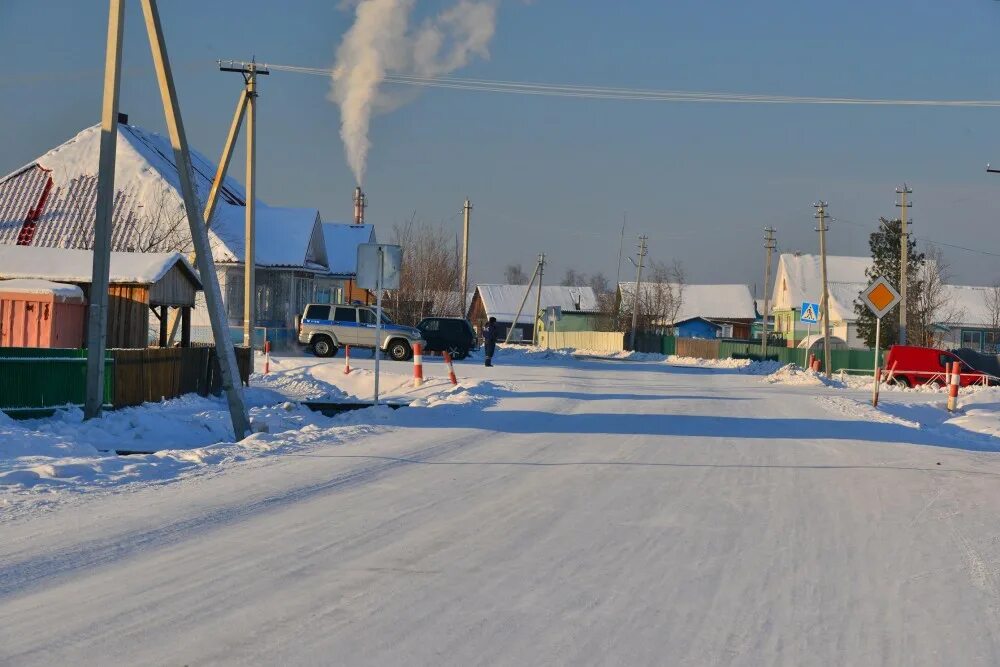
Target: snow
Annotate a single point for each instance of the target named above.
(970, 304)
(718, 302)
(502, 301)
(64, 292)
(286, 237)
(342, 243)
(550, 510)
(76, 266)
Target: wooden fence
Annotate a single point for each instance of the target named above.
(600, 341)
(33, 379)
(153, 374)
(697, 347)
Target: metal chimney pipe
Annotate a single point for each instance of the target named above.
(359, 215)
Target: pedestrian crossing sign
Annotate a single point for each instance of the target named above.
(810, 312)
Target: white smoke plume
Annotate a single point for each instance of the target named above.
(381, 41)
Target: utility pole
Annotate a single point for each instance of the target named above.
(524, 300)
(538, 299)
(904, 257)
(638, 290)
(467, 210)
(769, 244)
(97, 315)
(249, 71)
(199, 235)
(825, 300)
(618, 278)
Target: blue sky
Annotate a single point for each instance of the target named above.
(555, 175)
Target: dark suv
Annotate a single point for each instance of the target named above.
(448, 334)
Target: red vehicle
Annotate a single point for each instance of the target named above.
(922, 365)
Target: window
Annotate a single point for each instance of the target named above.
(972, 339)
(366, 316)
(344, 315)
(992, 342)
(432, 325)
(318, 313)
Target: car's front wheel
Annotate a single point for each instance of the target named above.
(458, 353)
(323, 346)
(399, 350)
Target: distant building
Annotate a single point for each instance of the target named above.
(731, 306)
(502, 301)
(339, 285)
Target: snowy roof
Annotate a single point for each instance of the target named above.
(716, 302)
(501, 301)
(799, 279)
(51, 202)
(342, 243)
(75, 266)
(970, 305)
(63, 291)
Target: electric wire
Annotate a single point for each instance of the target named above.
(636, 94)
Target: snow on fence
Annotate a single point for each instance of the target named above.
(36, 378)
(599, 341)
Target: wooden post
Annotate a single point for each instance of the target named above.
(163, 325)
(186, 326)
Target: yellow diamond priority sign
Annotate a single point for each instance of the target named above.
(880, 297)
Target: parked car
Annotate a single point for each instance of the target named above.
(453, 335)
(922, 365)
(987, 364)
(327, 327)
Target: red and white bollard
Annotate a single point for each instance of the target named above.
(347, 360)
(451, 368)
(267, 357)
(418, 365)
(956, 380)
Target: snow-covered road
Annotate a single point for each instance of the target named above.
(594, 513)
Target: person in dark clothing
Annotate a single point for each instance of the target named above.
(490, 340)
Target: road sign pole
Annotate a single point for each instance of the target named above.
(378, 315)
(805, 352)
(878, 338)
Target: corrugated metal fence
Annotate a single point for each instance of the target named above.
(600, 341)
(32, 379)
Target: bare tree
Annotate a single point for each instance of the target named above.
(515, 275)
(992, 298)
(429, 282)
(931, 308)
(574, 278)
(660, 297)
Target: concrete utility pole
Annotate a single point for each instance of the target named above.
(97, 313)
(904, 258)
(825, 301)
(638, 290)
(467, 211)
(524, 300)
(199, 234)
(248, 105)
(770, 244)
(538, 299)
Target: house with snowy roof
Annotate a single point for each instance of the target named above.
(140, 285)
(698, 310)
(51, 202)
(799, 279)
(971, 319)
(502, 302)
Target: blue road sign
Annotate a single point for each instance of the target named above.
(810, 312)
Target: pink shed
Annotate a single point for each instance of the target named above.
(41, 313)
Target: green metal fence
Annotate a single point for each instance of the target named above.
(39, 378)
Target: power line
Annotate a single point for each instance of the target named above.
(924, 239)
(637, 94)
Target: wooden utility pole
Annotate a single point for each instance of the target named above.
(97, 312)
(538, 300)
(769, 244)
(904, 259)
(467, 211)
(638, 290)
(825, 301)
